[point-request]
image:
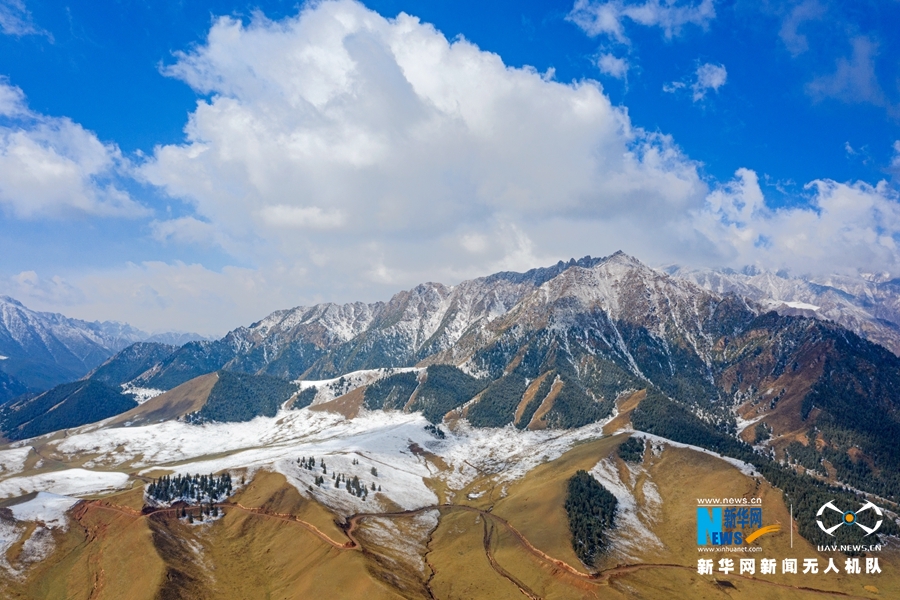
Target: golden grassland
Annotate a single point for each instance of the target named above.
(510, 542)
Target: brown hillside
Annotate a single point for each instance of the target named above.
(188, 397)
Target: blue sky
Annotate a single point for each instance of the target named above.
(196, 165)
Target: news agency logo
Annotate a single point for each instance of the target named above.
(731, 525)
(848, 518)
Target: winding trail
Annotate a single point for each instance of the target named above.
(488, 519)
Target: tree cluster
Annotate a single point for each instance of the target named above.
(304, 398)
(392, 392)
(193, 489)
(445, 388)
(591, 509)
(239, 397)
(66, 405)
(632, 450)
(435, 430)
(497, 405)
(354, 485)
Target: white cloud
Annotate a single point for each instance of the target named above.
(375, 154)
(709, 77)
(794, 41)
(613, 66)
(52, 166)
(854, 79)
(845, 226)
(16, 20)
(895, 160)
(53, 291)
(608, 17)
(374, 146)
(302, 217)
(157, 296)
(12, 100)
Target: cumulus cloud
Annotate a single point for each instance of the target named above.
(375, 154)
(608, 17)
(12, 100)
(53, 167)
(375, 148)
(843, 227)
(51, 291)
(613, 66)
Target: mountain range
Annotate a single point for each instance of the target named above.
(554, 348)
(39, 350)
(478, 421)
(867, 304)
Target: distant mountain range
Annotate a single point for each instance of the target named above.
(868, 304)
(556, 347)
(40, 350)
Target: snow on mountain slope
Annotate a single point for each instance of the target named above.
(329, 389)
(50, 509)
(69, 482)
(385, 440)
(13, 460)
(868, 305)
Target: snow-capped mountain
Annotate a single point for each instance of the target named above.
(42, 349)
(329, 339)
(557, 347)
(868, 305)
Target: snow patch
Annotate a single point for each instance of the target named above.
(329, 389)
(632, 535)
(392, 442)
(13, 461)
(745, 468)
(140, 394)
(802, 305)
(71, 482)
(743, 424)
(408, 544)
(47, 508)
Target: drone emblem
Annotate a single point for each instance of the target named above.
(848, 518)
